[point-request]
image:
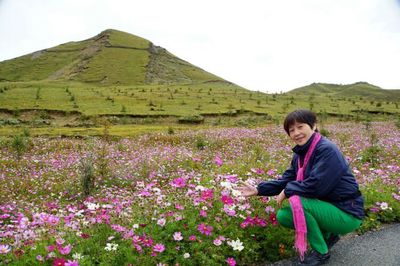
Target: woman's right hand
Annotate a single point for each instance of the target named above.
(247, 190)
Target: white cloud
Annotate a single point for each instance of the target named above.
(262, 45)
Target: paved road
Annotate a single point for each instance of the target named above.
(380, 248)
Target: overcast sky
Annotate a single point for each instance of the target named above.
(265, 45)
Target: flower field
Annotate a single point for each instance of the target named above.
(170, 199)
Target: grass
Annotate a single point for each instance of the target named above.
(176, 100)
(115, 130)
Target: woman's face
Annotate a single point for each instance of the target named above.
(300, 133)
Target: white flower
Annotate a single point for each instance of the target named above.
(236, 193)
(79, 213)
(51, 255)
(226, 184)
(384, 206)
(135, 226)
(199, 187)
(77, 256)
(111, 247)
(186, 255)
(92, 206)
(236, 245)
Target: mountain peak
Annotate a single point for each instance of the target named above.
(110, 57)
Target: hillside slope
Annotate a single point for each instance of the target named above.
(110, 58)
(358, 89)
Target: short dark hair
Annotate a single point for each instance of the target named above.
(300, 116)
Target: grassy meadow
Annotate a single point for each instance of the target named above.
(59, 107)
(115, 152)
(170, 198)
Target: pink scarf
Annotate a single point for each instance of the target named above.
(297, 208)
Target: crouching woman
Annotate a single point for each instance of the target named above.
(324, 196)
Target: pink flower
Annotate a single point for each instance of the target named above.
(161, 222)
(4, 249)
(53, 220)
(177, 236)
(269, 209)
(118, 228)
(71, 263)
(65, 250)
(192, 238)
(40, 258)
(218, 160)
(50, 248)
(217, 242)
(158, 248)
(271, 172)
(205, 229)
(203, 213)
(179, 207)
(231, 261)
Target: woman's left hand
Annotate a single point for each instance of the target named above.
(281, 198)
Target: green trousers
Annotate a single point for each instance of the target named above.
(323, 219)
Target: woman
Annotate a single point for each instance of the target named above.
(325, 201)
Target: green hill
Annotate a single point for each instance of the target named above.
(110, 58)
(358, 89)
(127, 80)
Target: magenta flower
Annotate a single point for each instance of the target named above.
(192, 238)
(205, 229)
(227, 200)
(258, 171)
(207, 194)
(59, 262)
(158, 248)
(178, 182)
(231, 261)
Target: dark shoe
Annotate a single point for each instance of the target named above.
(314, 259)
(332, 240)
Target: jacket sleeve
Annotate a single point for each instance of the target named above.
(325, 173)
(274, 187)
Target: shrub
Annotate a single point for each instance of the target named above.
(19, 144)
(193, 119)
(371, 155)
(201, 143)
(171, 131)
(87, 176)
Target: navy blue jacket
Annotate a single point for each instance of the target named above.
(327, 177)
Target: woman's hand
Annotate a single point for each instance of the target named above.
(247, 190)
(281, 197)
